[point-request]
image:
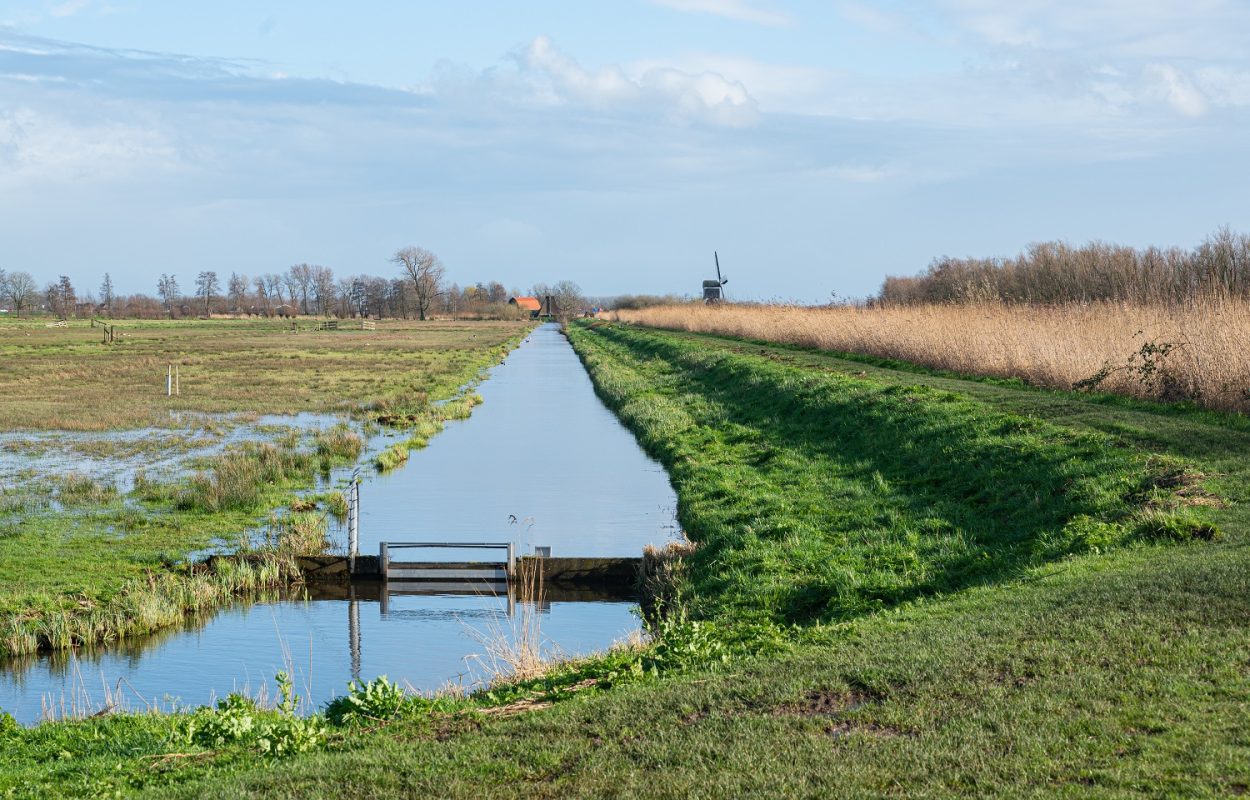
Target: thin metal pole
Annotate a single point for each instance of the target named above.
(353, 524)
(353, 632)
(169, 381)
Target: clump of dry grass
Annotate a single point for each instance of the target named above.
(1198, 351)
(663, 569)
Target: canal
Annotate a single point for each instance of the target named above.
(541, 463)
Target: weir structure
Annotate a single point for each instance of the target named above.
(611, 573)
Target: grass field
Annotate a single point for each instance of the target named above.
(904, 585)
(1197, 352)
(66, 379)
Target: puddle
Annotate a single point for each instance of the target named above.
(541, 463)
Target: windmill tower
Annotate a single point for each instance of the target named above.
(712, 290)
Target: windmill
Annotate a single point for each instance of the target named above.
(712, 292)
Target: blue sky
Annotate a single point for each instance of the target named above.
(818, 146)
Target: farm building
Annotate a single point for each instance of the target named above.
(530, 304)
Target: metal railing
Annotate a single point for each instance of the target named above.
(385, 548)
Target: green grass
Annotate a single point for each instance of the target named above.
(819, 495)
(922, 586)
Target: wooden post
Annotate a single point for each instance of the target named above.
(177, 386)
(511, 561)
(384, 559)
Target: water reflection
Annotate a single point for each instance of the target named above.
(422, 640)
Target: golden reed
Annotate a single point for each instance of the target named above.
(1199, 351)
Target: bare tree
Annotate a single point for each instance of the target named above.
(425, 270)
(236, 288)
(19, 290)
(567, 300)
(206, 286)
(274, 283)
(299, 283)
(343, 298)
(323, 288)
(106, 294)
(167, 287)
(61, 298)
(262, 295)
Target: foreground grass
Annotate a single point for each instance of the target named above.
(65, 379)
(924, 587)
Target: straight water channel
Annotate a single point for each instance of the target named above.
(541, 462)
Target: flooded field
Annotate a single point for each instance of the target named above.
(115, 457)
(542, 462)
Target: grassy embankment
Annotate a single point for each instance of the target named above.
(79, 563)
(905, 585)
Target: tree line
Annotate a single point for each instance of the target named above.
(1057, 272)
(418, 290)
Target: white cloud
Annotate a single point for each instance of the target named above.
(1137, 28)
(69, 8)
(703, 96)
(783, 88)
(740, 10)
(39, 146)
(874, 18)
(1176, 90)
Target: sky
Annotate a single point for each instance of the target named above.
(817, 146)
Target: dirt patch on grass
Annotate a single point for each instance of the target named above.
(834, 706)
(822, 703)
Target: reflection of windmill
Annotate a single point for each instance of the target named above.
(712, 292)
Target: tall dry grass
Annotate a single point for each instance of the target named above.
(1198, 351)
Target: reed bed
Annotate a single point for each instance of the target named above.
(1198, 352)
(145, 605)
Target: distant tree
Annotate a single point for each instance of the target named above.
(206, 286)
(273, 285)
(496, 292)
(566, 297)
(376, 297)
(18, 290)
(322, 279)
(236, 289)
(262, 295)
(299, 283)
(346, 306)
(425, 272)
(61, 298)
(106, 295)
(167, 288)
